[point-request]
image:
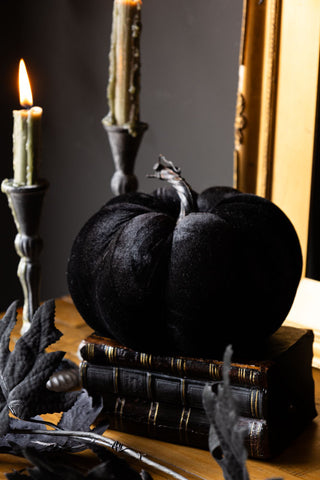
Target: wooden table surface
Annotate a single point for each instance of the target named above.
(300, 460)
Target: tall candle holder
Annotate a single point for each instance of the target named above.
(25, 202)
(124, 148)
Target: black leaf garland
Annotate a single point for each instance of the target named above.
(24, 373)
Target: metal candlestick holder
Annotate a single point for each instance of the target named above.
(26, 203)
(124, 149)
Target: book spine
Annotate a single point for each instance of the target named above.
(184, 426)
(251, 402)
(104, 354)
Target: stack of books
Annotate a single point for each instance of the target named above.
(160, 396)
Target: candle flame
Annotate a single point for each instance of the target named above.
(130, 2)
(26, 99)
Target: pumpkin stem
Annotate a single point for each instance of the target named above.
(166, 170)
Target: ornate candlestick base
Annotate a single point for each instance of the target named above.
(26, 203)
(124, 148)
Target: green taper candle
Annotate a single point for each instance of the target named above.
(124, 65)
(26, 134)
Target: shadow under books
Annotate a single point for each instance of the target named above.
(301, 448)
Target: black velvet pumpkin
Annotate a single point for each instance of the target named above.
(159, 277)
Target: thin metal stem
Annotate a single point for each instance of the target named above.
(119, 448)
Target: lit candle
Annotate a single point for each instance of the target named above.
(124, 68)
(26, 134)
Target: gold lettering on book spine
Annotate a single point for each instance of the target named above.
(242, 375)
(145, 360)
(252, 403)
(254, 396)
(187, 420)
(156, 413)
(83, 374)
(256, 403)
(183, 424)
(178, 365)
(183, 391)
(247, 376)
(153, 413)
(111, 353)
(90, 351)
(184, 366)
(181, 418)
(214, 371)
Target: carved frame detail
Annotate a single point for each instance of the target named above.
(276, 120)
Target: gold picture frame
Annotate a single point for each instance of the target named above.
(276, 120)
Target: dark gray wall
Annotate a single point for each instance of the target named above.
(189, 77)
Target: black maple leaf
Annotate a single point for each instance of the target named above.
(48, 467)
(24, 373)
(25, 370)
(32, 433)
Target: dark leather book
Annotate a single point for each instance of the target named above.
(282, 364)
(101, 379)
(189, 426)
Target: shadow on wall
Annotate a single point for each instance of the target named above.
(188, 95)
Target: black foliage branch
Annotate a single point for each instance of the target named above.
(47, 467)
(226, 438)
(25, 370)
(33, 433)
(24, 373)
